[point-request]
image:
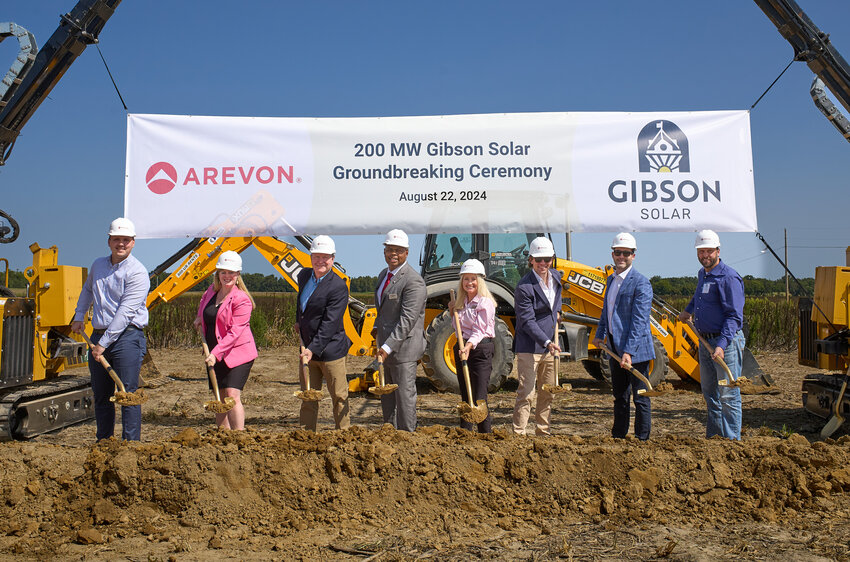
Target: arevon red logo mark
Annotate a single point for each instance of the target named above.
(161, 178)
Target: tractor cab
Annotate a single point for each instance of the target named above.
(505, 259)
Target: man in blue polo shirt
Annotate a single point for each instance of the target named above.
(718, 311)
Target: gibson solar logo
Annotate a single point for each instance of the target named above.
(162, 177)
(663, 149)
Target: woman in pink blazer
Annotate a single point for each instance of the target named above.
(223, 320)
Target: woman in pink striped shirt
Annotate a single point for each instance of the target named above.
(476, 310)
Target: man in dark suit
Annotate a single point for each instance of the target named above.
(537, 300)
(625, 324)
(319, 315)
(400, 330)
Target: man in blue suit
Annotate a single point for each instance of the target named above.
(537, 301)
(319, 317)
(625, 324)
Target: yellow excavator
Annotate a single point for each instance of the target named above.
(36, 394)
(505, 257)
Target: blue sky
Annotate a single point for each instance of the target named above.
(65, 178)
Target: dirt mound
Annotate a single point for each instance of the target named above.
(439, 490)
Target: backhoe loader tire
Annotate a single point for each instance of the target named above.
(443, 375)
(600, 370)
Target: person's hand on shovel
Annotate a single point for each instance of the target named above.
(306, 355)
(553, 348)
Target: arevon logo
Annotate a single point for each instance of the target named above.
(161, 178)
(663, 147)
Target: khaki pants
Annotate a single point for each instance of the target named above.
(533, 370)
(333, 372)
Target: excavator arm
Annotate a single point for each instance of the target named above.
(199, 261)
(812, 46)
(34, 73)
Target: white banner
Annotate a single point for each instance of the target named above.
(523, 172)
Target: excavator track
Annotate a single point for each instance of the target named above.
(820, 391)
(41, 407)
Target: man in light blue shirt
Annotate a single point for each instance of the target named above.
(115, 290)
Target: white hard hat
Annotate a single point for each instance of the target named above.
(122, 227)
(323, 245)
(624, 240)
(397, 237)
(541, 247)
(707, 239)
(472, 265)
(229, 260)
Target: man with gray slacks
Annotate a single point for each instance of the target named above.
(400, 298)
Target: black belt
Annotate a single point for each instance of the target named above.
(101, 332)
(710, 335)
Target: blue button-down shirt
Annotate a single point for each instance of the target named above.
(718, 304)
(309, 287)
(117, 293)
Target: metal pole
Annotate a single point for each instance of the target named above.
(569, 247)
(787, 294)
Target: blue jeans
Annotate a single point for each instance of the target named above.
(125, 356)
(625, 386)
(723, 403)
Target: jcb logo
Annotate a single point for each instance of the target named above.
(291, 266)
(586, 283)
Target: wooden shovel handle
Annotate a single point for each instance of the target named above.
(717, 360)
(632, 370)
(211, 371)
(461, 352)
(102, 360)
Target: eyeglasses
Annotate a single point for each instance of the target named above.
(622, 252)
(541, 260)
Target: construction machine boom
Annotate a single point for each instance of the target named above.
(812, 46)
(824, 328)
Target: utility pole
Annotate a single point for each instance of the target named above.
(569, 246)
(787, 295)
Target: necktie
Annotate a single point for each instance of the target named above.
(386, 284)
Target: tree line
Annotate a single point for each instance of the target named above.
(667, 286)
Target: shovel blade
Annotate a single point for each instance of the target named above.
(381, 390)
(831, 426)
(220, 407)
(473, 414)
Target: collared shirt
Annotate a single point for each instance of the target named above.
(611, 296)
(384, 280)
(549, 290)
(309, 287)
(477, 320)
(385, 347)
(117, 296)
(718, 304)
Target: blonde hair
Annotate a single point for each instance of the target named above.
(239, 283)
(483, 291)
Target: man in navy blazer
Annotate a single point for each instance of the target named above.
(319, 315)
(537, 301)
(625, 324)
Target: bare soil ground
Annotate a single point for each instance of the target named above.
(191, 492)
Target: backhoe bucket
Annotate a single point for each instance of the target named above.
(752, 370)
